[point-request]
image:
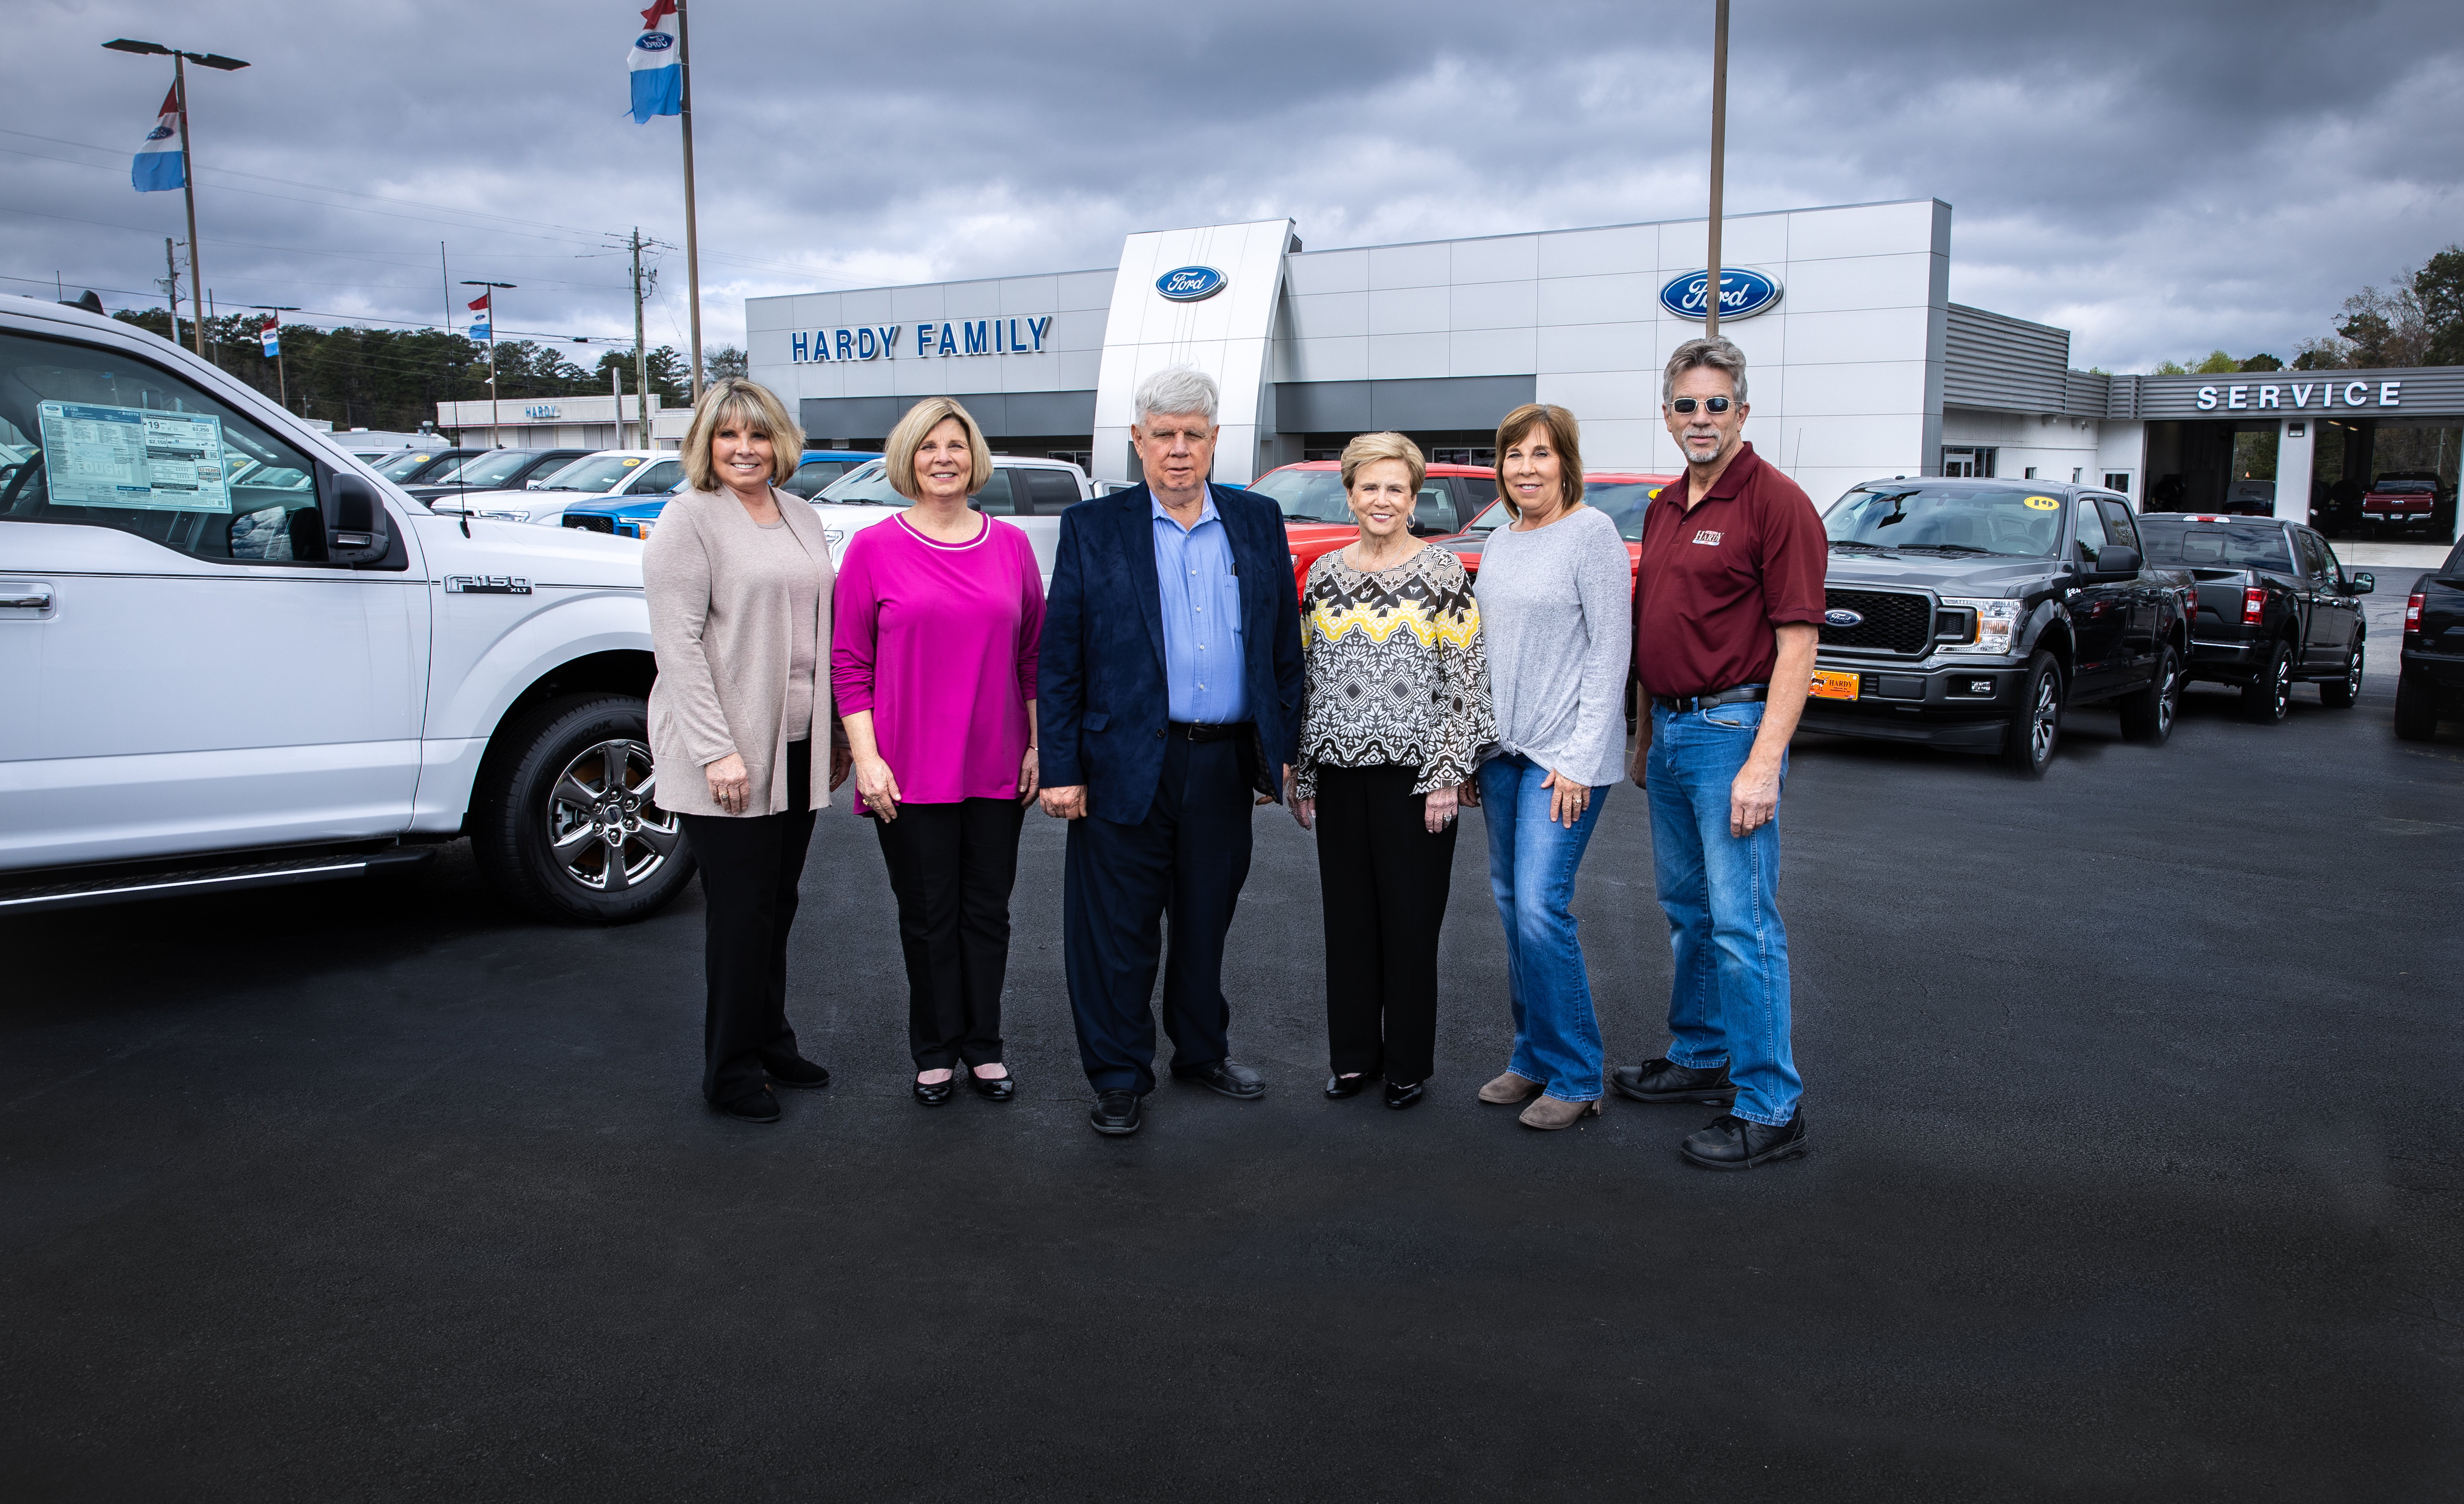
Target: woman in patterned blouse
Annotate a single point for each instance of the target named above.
(1396, 718)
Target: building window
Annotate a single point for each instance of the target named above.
(2076, 473)
(1084, 459)
(1307, 455)
(1456, 455)
(2118, 480)
(2030, 474)
(1968, 462)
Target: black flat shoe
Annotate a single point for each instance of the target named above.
(934, 1094)
(1339, 1087)
(1734, 1143)
(1665, 1081)
(1232, 1081)
(752, 1107)
(1404, 1094)
(798, 1072)
(1116, 1114)
(994, 1088)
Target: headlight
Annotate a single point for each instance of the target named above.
(1998, 624)
(641, 527)
(507, 516)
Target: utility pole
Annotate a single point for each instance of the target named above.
(445, 285)
(692, 244)
(641, 353)
(1719, 164)
(281, 386)
(171, 285)
(179, 61)
(495, 436)
(210, 317)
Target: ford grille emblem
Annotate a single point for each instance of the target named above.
(1189, 284)
(1839, 616)
(1743, 293)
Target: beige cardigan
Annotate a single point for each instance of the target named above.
(723, 652)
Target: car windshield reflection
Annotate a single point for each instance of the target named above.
(1948, 517)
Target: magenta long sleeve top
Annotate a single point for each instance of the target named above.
(938, 641)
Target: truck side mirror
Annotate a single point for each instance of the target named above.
(357, 531)
(2364, 582)
(2117, 558)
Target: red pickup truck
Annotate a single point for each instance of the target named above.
(1623, 494)
(1317, 520)
(2401, 504)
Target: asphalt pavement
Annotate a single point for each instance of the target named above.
(2137, 1174)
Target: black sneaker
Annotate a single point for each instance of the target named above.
(752, 1107)
(1664, 1081)
(1116, 1114)
(1732, 1143)
(798, 1072)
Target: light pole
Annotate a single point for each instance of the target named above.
(1719, 162)
(282, 387)
(188, 156)
(495, 436)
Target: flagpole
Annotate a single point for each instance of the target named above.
(188, 190)
(693, 245)
(1719, 162)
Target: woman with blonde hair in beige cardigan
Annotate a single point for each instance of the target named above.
(738, 576)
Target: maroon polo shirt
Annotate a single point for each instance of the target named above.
(1714, 582)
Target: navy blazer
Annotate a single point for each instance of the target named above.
(1101, 702)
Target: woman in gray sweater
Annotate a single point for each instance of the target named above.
(1555, 592)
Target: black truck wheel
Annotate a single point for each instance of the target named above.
(565, 821)
(2148, 715)
(2339, 694)
(2416, 709)
(2266, 698)
(2028, 743)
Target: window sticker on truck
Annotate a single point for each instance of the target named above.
(104, 456)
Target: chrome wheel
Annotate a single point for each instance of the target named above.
(603, 825)
(2283, 698)
(2044, 720)
(2169, 698)
(2353, 672)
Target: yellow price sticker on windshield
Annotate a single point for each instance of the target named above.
(2043, 504)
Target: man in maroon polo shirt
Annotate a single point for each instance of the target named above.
(1728, 604)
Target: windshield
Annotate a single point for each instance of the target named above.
(1949, 517)
(402, 466)
(814, 474)
(868, 484)
(598, 474)
(1626, 502)
(2405, 488)
(1305, 495)
(493, 469)
(2215, 545)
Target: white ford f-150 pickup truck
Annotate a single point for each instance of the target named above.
(232, 656)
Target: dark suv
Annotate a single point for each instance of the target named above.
(1971, 613)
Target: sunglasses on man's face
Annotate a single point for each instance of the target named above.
(1686, 404)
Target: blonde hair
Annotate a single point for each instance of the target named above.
(1368, 448)
(1565, 436)
(732, 400)
(899, 450)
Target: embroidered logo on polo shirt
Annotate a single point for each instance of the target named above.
(1707, 535)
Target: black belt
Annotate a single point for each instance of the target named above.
(1201, 732)
(1681, 704)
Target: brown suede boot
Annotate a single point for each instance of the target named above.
(1551, 1114)
(1508, 1090)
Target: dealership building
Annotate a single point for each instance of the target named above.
(1860, 366)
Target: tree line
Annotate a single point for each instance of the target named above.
(2417, 319)
(392, 378)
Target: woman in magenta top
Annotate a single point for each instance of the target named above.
(938, 616)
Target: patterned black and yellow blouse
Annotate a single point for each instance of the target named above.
(1396, 671)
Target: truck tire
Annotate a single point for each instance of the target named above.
(2028, 744)
(557, 786)
(2416, 709)
(2266, 698)
(2148, 715)
(2339, 694)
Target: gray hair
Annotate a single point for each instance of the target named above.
(1179, 390)
(1694, 355)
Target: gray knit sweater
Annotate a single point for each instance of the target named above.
(1555, 606)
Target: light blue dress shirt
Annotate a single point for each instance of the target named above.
(1203, 667)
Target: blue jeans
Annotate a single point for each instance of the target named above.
(1531, 862)
(1728, 1001)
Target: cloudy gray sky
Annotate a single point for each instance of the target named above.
(2161, 178)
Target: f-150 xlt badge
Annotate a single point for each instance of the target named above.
(486, 586)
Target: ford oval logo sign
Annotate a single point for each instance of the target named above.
(1743, 293)
(1839, 616)
(1189, 284)
(655, 41)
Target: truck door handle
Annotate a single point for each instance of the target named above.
(25, 598)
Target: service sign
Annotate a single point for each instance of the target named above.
(1190, 284)
(935, 336)
(1743, 293)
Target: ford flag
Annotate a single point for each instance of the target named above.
(658, 71)
(160, 163)
(272, 334)
(481, 316)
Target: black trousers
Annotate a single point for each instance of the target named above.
(1384, 879)
(1188, 857)
(952, 866)
(750, 866)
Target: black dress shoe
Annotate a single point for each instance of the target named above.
(1732, 1143)
(798, 1072)
(1232, 1081)
(1339, 1087)
(1665, 1081)
(1117, 1113)
(1400, 1095)
(994, 1088)
(752, 1107)
(934, 1094)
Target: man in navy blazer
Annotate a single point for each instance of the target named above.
(1169, 704)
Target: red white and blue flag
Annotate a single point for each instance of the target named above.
(271, 335)
(481, 314)
(657, 65)
(160, 162)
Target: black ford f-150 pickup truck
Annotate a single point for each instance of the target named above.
(1971, 613)
(2275, 607)
(2431, 682)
